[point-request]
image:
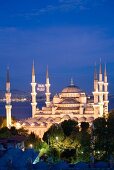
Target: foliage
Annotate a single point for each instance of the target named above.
(2, 121)
(54, 132)
(7, 133)
(111, 114)
(104, 137)
(65, 139)
(69, 126)
(33, 140)
(84, 126)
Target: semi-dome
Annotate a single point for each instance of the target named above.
(70, 101)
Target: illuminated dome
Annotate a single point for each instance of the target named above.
(72, 88)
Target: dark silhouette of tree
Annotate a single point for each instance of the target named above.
(84, 126)
(69, 126)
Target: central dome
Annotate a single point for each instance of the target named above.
(72, 88)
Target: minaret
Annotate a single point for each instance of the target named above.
(106, 101)
(8, 100)
(100, 82)
(47, 93)
(33, 94)
(95, 93)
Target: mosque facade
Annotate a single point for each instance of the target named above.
(70, 103)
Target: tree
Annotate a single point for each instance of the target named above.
(5, 132)
(33, 141)
(101, 140)
(81, 142)
(110, 135)
(111, 114)
(84, 126)
(54, 132)
(69, 126)
(2, 121)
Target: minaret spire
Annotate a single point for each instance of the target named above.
(8, 76)
(95, 73)
(33, 73)
(106, 101)
(33, 94)
(47, 74)
(100, 68)
(100, 74)
(101, 93)
(47, 93)
(8, 100)
(105, 71)
(95, 93)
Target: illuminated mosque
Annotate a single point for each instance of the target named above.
(70, 103)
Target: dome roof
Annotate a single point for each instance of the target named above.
(71, 89)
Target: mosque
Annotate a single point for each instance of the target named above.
(70, 103)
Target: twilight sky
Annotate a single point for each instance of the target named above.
(68, 35)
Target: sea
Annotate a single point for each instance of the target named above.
(22, 110)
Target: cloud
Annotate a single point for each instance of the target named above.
(67, 51)
(7, 29)
(63, 6)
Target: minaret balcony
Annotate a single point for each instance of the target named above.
(47, 93)
(106, 92)
(101, 103)
(33, 84)
(96, 105)
(105, 83)
(106, 101)
(33, 93)
(100, 82)
(8, 106)
(48, 85)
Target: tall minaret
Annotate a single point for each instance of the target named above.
(47, 93)
(33, 94)
(8, 100)
(95, 93)
(106, 101)
(100, 82)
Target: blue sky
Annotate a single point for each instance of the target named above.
(68, 35)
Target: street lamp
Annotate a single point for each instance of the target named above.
(31, 145)
(56, 138)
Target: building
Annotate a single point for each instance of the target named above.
(71, 103)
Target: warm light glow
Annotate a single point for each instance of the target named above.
(31, 145)
(57, 138)
(18, 125)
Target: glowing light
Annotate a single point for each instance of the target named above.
(56, 138)
(31, 145)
